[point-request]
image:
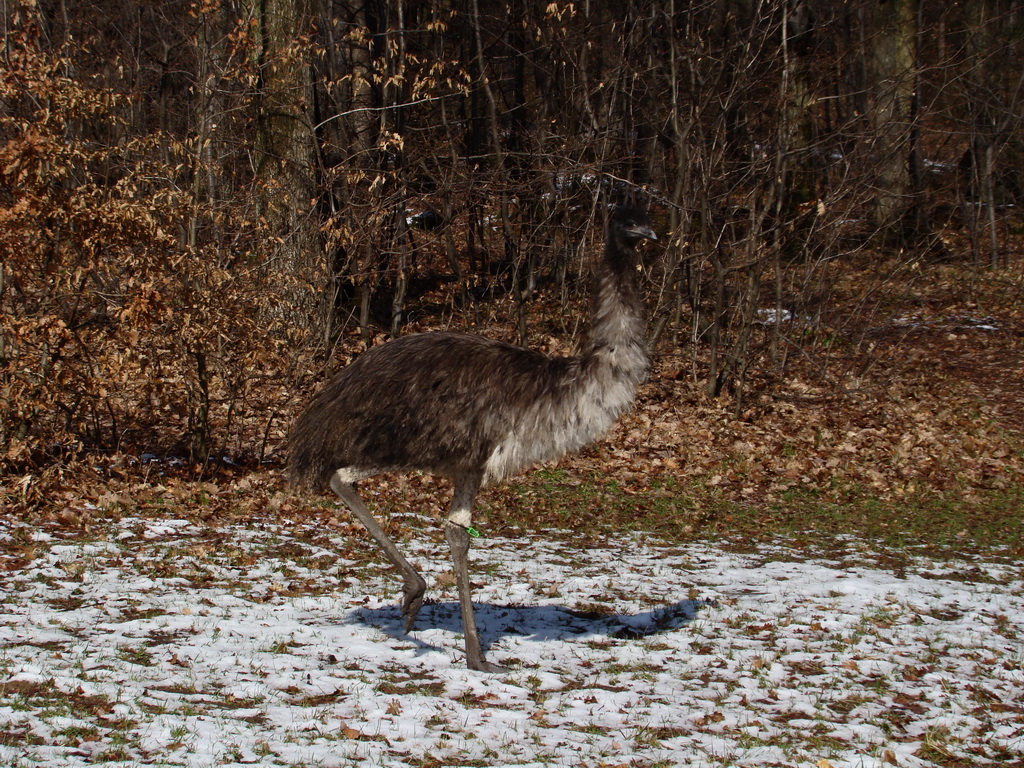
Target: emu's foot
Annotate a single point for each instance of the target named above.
(482, 665)
(475, 657)
(413, 590)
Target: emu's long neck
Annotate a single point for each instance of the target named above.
(591, 392)
(616, 335)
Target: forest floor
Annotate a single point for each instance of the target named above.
(905, 426)
(829, 572)
(164, 641)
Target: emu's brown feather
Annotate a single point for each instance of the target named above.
(451, 404)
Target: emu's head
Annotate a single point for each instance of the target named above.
(627, 226)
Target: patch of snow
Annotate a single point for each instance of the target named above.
(182, 646)
(772, 316)
(937, 166)
(955, 323)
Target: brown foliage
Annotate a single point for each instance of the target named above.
(115, 330)
(201, 208)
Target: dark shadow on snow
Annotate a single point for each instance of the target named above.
(540, 622)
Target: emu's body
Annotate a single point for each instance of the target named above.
(475, 410)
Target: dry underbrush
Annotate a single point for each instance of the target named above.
(923, 404)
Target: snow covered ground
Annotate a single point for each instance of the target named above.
(171, 643)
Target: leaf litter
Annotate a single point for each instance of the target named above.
(176, 642)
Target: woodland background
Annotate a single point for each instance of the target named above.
(206, 207)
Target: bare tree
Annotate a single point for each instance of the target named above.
(893, 57)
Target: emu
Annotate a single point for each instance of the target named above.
(476, 411)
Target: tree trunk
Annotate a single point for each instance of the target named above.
(285, 140)
(893, 58)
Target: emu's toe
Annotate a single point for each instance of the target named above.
(413, 590)
(482, 665)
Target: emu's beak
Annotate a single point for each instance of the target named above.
(644, 232)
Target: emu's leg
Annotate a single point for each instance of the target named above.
(414, 585)
(458, 541)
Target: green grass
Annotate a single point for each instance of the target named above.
(939, 521)
(945, 520)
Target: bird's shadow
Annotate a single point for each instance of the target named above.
(536, 622)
